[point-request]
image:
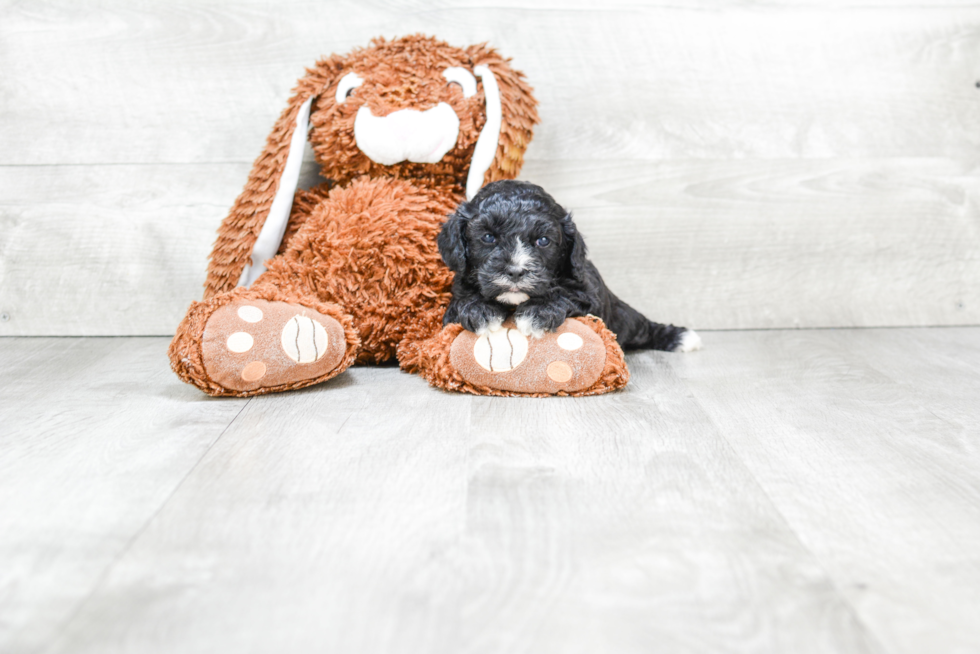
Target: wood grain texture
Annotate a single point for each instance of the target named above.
(325, 520)
(626, 524)
(734, 165)
(107, 250)
(94, 438)
(376, 514)
(710, 244)
(779, 491)
(193, 82)
(867, 443)
(795, 243)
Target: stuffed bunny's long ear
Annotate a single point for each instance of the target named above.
(252, 231)
(511, 112)
(486, 144)
(267, 243)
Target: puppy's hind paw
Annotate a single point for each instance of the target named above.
(689, 342)
(525, 325)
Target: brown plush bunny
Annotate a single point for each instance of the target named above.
(302, 284)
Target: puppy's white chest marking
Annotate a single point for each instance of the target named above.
(513, 298)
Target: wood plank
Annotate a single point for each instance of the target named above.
(107, 250)
(866, 442)
(710, 244)
(747, 244)
(937, 366)
(377, 514)
(626, 523)
(187, 82)
(95, 435)
(323, 520)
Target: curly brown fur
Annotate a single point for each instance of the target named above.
(334, 256)
(398, 74)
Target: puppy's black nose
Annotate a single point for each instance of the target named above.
(516, 274)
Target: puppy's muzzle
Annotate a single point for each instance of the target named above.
(407, 134)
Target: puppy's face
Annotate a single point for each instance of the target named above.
(511, 242)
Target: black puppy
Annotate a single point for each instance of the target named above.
(513, 248)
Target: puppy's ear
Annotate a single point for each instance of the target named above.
(574, 249)
(452, 239)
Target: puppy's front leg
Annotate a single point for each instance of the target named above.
(534, 318)
(481, 317)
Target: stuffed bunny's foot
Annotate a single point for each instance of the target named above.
(568, 360)
(252, 344)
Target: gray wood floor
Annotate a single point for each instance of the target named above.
(780, 491)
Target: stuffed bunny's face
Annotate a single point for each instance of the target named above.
(416, 107)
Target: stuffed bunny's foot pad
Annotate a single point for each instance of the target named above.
(253, 344)
(567, 360)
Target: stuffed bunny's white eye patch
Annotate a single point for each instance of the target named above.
(347, 83)
(462, 77)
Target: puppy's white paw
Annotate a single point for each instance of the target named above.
(491, 327)
(525, 325)
(690, 341)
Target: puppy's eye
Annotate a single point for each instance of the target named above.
(543, 241)
(489, 239)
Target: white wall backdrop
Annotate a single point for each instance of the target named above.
(732, 164)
